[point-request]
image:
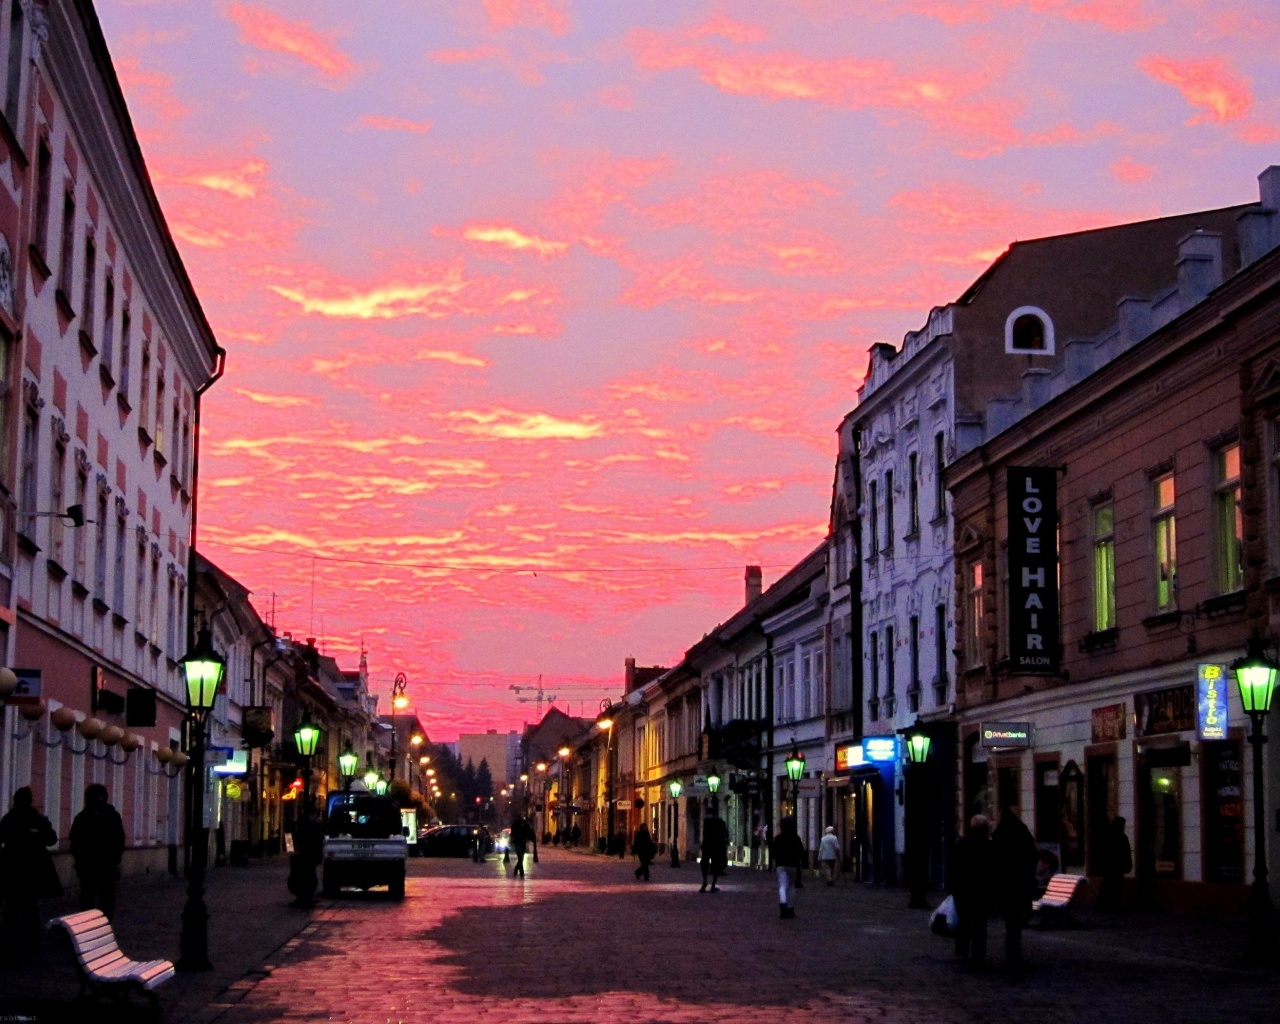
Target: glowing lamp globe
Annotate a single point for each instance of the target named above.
(371, 780)
(795, 764)
(306, 737)
(348, 762)
(713, 783)
(203, 668)
(1256, 677)
(675, 787)
(381, 787)
(918, 744)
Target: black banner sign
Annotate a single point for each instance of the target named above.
(1033, 572)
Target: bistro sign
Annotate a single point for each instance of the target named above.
(1033, 571)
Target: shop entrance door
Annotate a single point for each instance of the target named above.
(1103, 805)
(1159, 821)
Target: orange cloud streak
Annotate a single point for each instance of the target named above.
(270, 32)
(548, 14)
(1211, 85)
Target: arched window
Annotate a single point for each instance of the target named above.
(6, 279)
(1029, 331)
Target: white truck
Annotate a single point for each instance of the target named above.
(364, 844)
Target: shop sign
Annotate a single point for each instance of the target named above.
(810, 789)
(1033, 571)
(1006, 734)
(1211, 702)
(1107, 724)
(622, 805)
(849, 757)
(29, 686)
(878, 749)
(237, 762)
(1172, 709)
(233, 790)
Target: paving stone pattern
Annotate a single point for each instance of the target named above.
(581, 941)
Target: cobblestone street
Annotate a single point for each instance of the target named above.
(581, 941)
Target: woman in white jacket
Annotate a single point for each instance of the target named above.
(829, 854)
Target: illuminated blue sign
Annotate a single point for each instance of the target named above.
(1211, 702)
(880, 748)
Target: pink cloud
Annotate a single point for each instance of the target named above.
(1211, 85)
(390, 123)
(149, 89)
(548, 14)
(267, 31)
(472, 56)
(1129, 171)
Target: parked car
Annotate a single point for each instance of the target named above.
(454, 841)
(364, 844)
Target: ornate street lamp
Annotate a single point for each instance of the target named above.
(795, 770)
(605, 721)
(918, 744)
(348, 764)
(381, 787)
(306, 737)
(713, 787)
(203, 669)
(675, 787)
(1256, 677)
(370, 778)
(398, 703)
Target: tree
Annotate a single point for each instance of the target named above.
(484, 780)
(467, 783)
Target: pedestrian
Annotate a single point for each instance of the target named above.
(575, 835)
(829, 854)
(788, 856)
(522, 835)
(757, 837)
(970, 887)
(27, 873)
(1117, 861)
(1013, 856)
(715, 850)
(97, 847)
(308, 854)
(643, 846)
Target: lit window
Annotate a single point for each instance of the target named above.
(1104, 567)
(1165, 538)
(1228, 520)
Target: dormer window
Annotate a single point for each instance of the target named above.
(1028, 331)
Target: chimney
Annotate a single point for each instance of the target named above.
(1269, 188)
(755, 583)
(1035, 387)
(1135, 320)
(630, 681)
(1259, 227)
(1199, 266)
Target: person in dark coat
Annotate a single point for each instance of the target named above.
(789, 856)
(1117, 861)
(1013, 856)
(715, 850)
(643, 847)
(970, 887)
(27, 873)
(308, 854)
(97, 847)
(522, 835)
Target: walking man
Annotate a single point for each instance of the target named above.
(788, 859)
(715, 850)
(521, 836)
(1013, 853)
(971, 889)
(97, 847)
(644, 848)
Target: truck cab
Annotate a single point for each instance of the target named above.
(364, 844)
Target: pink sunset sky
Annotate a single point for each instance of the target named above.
(559, 285)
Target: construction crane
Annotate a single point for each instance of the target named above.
(541, 695)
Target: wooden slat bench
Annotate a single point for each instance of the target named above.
(1058, 896)
(100, 964)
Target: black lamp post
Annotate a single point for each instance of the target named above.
(562, 821)
(306, 737)
(713, 787)
(795, 771)
(1256, 677)
(398, 701)
(605, 722)
(918, 743)
(676, 787)
(348, 764)
(203, 668)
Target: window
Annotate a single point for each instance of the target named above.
(1228, 521)
(888, 510)
(82, 494)
(140, 583)
(155, 598)
(913, 493)
(1104, 567)
(122, 539)
(30, 447)
(90, 285)
(44, 176)
(171, 616)
(100, 549)
(67, 257)
(806, 684)
(914, 689)
(126, 325)
(890, 658)
(939, 465)
(177, 419)
(975, 615)
(1029, 331)
(144, 393)
(873, 648)
(1165, 537)
(940, 652)
(159, 436)
(873, 518)
(13, 79)
(108, 321)
(57, 483)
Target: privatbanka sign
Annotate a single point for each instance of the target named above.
(1033, 571)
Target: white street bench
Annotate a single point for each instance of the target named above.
(1059, 895)
(101, 965)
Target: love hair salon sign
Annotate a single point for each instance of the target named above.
(1034, 647)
